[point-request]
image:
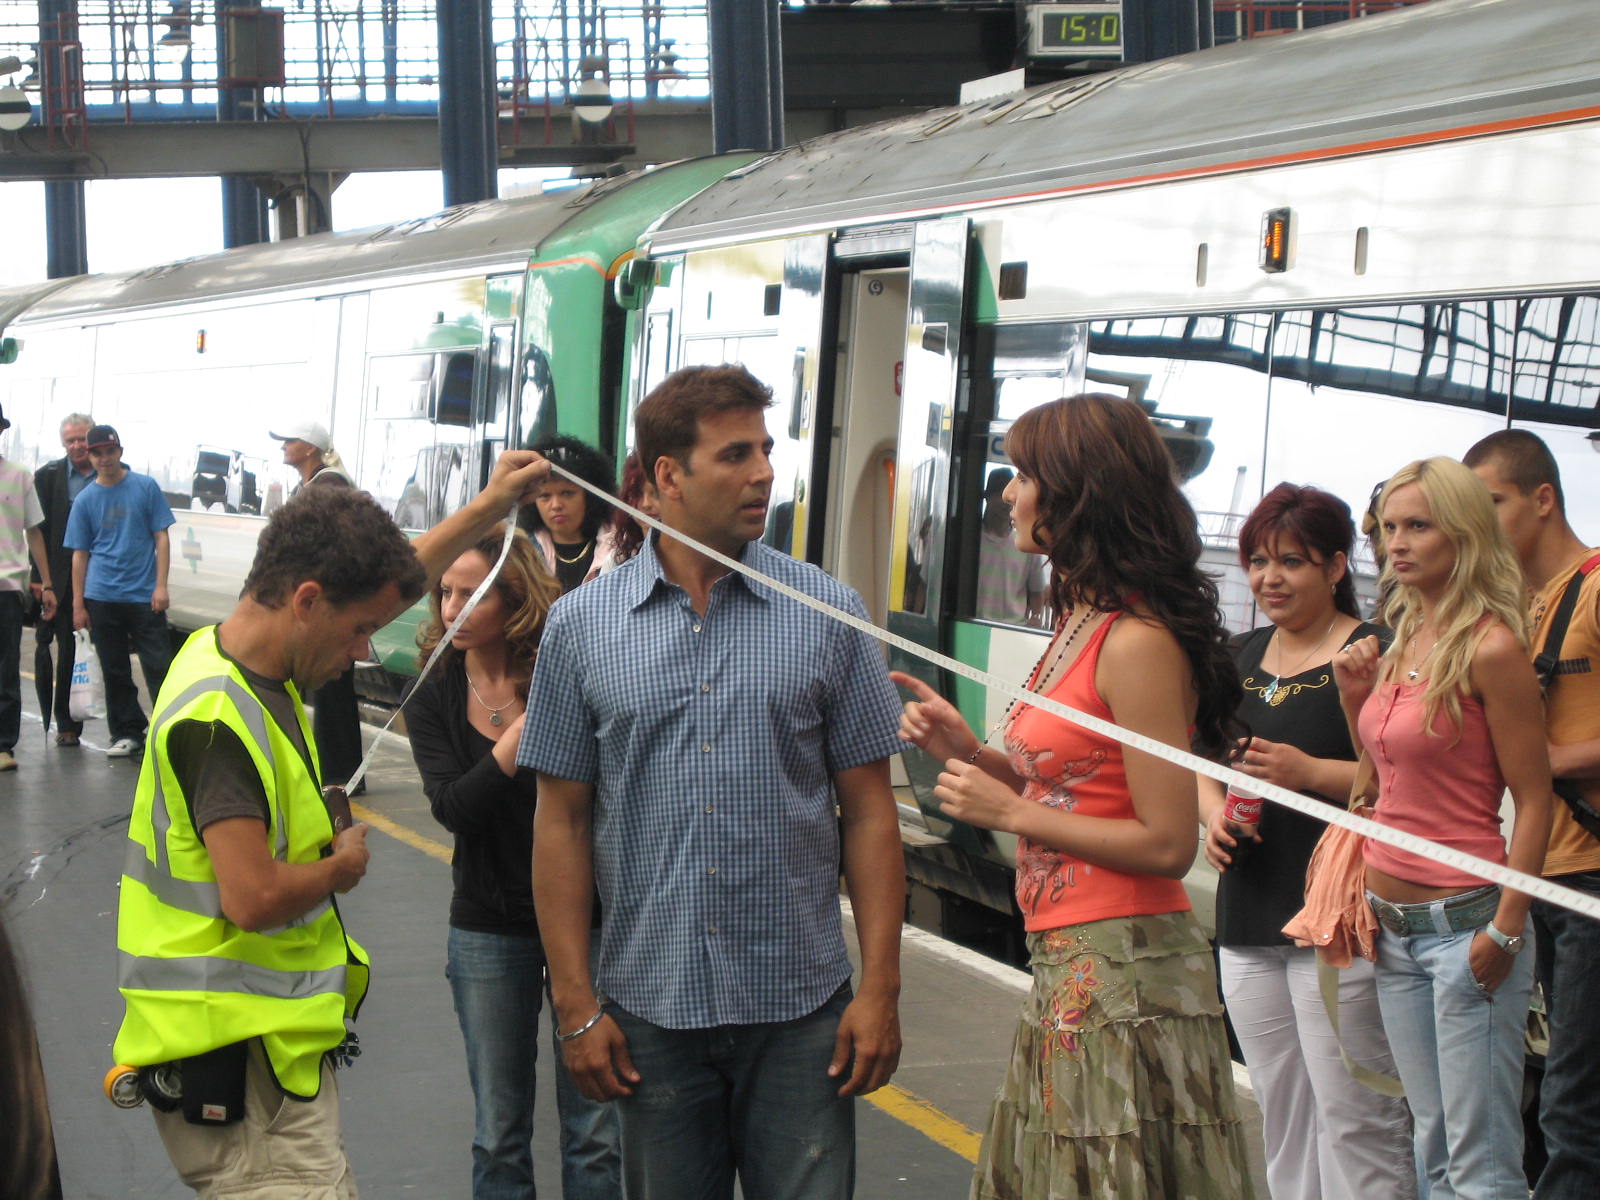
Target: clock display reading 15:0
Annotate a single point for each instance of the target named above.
(1065, 30)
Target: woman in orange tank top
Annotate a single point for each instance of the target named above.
(1119, 1084)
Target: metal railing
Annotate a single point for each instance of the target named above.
(1236, 20)
(130, 60)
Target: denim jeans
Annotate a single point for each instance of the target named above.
(10, 669)
(119, 631)
(1569, 1104)
(497, 982)
(1459, 1050)
(1325, 1135)
(755, 1100)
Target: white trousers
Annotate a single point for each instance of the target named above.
(1327, 1137)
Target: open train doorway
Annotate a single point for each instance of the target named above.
(869, 369)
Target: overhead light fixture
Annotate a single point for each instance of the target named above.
(591, 95)
(10, 65)
(178, 20)
(666, 75)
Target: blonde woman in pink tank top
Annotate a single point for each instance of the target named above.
(1119, 1085)
(1452, 716)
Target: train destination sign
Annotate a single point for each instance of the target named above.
(1092, 29)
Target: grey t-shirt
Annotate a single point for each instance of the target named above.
(214, 768)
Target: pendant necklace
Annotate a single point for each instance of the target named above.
(576, 558)
(494, 713)
(1270, 695)
(1034, 675)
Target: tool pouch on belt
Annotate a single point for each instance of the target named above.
(213, 1086)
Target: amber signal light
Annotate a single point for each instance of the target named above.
(1275, 241)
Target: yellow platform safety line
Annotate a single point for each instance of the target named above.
(932, 1122)
(906, 1107)
(401, 832)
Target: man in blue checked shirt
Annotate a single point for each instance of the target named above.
(711, 755)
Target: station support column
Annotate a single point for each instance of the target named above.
(66, 227)
(244, 208)
(1162, 28)
(468, 143)
(746, 75)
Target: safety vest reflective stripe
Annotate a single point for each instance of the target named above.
(196, 896)
(256, 721)
(209, 974)
(200, 897)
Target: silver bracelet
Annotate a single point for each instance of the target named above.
(581, 1029)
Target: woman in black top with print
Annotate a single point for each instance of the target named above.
(1326, 1136)
(464, 722)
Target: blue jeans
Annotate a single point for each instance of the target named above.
(1569, 1105)
(119, 631)
(10, 669)
(497, 982)
(1459, 1050)
(751, 1099)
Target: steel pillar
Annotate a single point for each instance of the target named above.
(244, 208)
(66, 230)
(746, 75)
(468, 148)
(1155, 29)
(65, 225)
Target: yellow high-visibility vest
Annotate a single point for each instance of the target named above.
(192, 980)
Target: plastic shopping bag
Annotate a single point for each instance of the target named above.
(87, 700)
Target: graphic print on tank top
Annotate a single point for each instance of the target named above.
(1044, 874)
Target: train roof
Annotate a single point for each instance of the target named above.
(1450, 65)
(491, 235)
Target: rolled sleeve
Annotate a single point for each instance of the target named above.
(558, 738)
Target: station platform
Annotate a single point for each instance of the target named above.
(406, 1103)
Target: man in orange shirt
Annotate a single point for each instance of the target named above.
(1522, 476)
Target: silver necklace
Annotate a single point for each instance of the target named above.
(1411, 648)
(1272, 688)
(494, 713)
(1034, 675)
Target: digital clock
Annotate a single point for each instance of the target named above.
(1088, 30)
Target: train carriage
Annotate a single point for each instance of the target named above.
(1311, 257)
(424, 347)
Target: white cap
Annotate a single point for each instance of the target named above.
(303, 431)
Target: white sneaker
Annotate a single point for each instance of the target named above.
(122, 748)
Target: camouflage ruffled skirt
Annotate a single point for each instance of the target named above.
(1119, 1085)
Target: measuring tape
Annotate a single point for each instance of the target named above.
(1533, 885)
(478, 593)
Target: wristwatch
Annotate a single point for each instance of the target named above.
(1511, 944)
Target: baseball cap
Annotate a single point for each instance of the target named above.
(303, 431)
(103, 435)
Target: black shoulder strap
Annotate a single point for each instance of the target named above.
(1545, 667)
(1549, 658)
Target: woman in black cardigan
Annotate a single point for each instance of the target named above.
(465, 721)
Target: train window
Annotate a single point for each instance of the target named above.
(1033, 364)
(1203, 379)
(399, 385)
(1558, 360)
(416, 468)
(1357, 393)
(454, 405)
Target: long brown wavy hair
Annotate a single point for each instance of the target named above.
(1120, 535)
(527, 588)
